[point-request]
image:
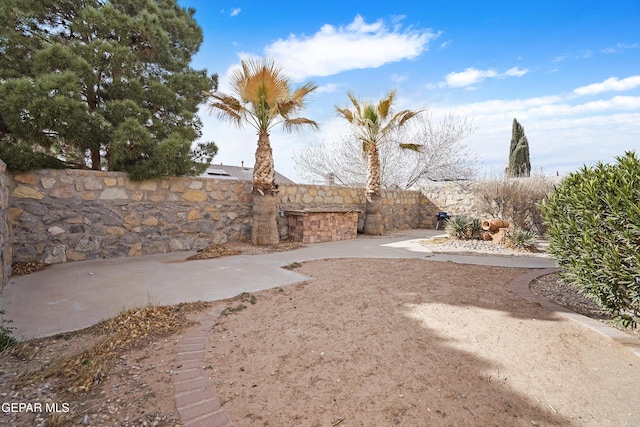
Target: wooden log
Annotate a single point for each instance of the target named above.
(494, 224)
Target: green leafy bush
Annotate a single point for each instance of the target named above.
(593, 221)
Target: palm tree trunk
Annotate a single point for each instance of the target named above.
(373, 171)
(264, 176)
(373, 219)
(264, 229)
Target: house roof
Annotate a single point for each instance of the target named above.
(241, 173)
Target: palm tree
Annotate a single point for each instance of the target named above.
(372, 125)
(261, 98)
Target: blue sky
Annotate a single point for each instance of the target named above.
(568, 70)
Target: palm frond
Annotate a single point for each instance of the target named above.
(298, 123)
(227, 108)
(301, 93)
(406, 115)
(384, 106)
(262, 97)
(355, 102)
(412, 147)
(345, 113)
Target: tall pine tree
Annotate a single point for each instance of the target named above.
(106, 83)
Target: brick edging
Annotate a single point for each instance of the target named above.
(520, 285)
(196, 402)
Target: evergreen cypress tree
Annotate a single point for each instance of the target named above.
(519, 163)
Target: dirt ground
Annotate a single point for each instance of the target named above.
(362, 343)
(415, 343)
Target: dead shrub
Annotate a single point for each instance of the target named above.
(515, 200)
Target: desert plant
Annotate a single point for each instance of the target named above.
(463, 227)
(475, 228)
(515, 200)
(7, 340)
(593, 222)
(522, 240)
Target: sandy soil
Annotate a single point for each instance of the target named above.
(415, 343)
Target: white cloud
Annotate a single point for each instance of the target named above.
(471, 76)
(399, 78)
(585, 54)
(235, 12)
(611, 84)
(620, 47)
(358, 45)
(328, 88)
(515, 72)
(445, 44)
(468, 77)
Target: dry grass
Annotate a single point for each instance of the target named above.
(113, 337)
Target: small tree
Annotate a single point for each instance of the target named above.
(519, 162)
(372, 125)
(593, 221)
(261, 97)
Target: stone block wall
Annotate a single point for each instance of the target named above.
(322, 226)
(401, 210)
(460, 197)
(5, 230)
(72, 215)
(453, 197)
(301, 196)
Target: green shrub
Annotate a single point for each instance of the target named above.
(522, 240)
(20, 157)
(456, 226)
(7, 340)
(463, 227)
(593, 221)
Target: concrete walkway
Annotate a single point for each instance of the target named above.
(72, 296)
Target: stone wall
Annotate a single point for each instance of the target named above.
(301, 196)
(71, 215)
(453, 197)
(5, 230)
(459, 197)
(405, 209)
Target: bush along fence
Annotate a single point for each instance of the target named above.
(71, 215)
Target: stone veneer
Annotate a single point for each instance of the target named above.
(319, 225)
(71, 215)
(5, 230)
